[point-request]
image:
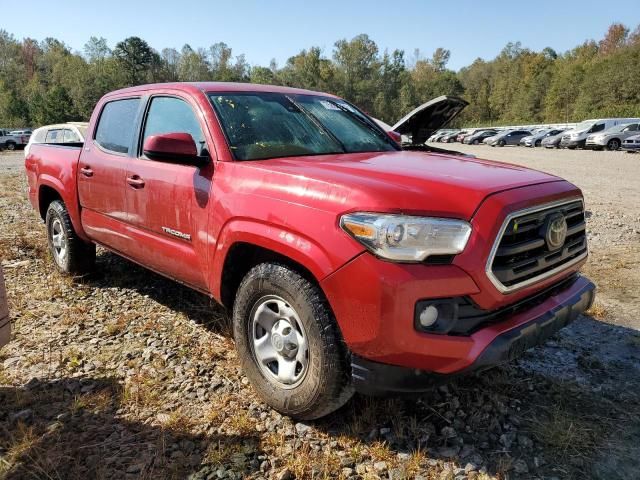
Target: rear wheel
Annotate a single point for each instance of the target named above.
(613, 144)
(289, 344)
(71, 255)
(10, 146)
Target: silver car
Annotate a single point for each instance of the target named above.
(613, 138)
(536, 139)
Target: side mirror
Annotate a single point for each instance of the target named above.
(395, 136)
(176, 147)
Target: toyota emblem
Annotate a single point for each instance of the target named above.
(556, 231)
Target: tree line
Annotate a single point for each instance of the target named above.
(43, 82)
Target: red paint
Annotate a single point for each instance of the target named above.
(170, 145)
(181, 219)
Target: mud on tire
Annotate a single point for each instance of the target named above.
(326, 383)
(71, 255)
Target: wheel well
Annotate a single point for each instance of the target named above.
(46, 195)
(241, 258)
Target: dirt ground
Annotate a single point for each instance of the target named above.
(129, 375)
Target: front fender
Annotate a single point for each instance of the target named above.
(320, 259)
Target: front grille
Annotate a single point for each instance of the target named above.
(522, 255)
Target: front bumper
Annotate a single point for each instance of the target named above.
(529, 329)
(572, 143)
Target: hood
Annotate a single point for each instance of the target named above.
(402, 181)
(422, 122)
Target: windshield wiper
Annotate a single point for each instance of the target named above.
(318, 123)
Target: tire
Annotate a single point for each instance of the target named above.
(476, 142)
(319, 381)
(537, 144)
(10, 146)
(71, 255)
(613, 144)
(501, 143)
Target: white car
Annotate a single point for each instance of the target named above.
(612, 138)
(68, 133)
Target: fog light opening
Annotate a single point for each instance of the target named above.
(428, 316)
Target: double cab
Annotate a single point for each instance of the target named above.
(351, 258)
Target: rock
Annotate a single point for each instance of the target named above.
(470, 467)
(448, 432)
(448, 452)
(380, 467)
(347, 472)
(285, 474)
(520, 466)
(135, 468)
(24, 416)
(301, 428)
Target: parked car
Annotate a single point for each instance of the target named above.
(68, 133)
(348, 261)
(632, 144)
(449, 137)
(12, 141)
(490, 139)
(479, 137)
(463, 134)
(552, 141)
(5, 324)
(437, 137)
(612, 138)
(512, 137)
(535, 139)
(577, 137)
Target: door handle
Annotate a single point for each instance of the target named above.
(135, 181)
(86, 171)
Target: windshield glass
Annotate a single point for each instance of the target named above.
(269, 125)
(583, 126)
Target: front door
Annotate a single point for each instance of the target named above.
(101, 173)
(167, 200)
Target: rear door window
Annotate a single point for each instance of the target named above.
(116, 126)
(53, 136)
(71, 137)
(598, 127)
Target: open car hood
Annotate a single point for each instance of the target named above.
(422, 122)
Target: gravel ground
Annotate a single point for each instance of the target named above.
(129, 375)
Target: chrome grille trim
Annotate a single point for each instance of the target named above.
(518, 286)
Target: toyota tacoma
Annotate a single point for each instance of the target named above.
(352, 258)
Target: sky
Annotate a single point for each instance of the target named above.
(279, 29)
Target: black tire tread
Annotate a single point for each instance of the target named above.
(81, 255)
(336, 389)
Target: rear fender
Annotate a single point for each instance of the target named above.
(69, 196)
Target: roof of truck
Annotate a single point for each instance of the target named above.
(216, 87)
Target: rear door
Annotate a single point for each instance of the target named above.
(101, 172)
(167, 199)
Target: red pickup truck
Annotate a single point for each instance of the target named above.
(350, 261)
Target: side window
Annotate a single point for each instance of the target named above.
(116, 125)
(53, 136)
(71, 137)
(597, 127)
(172, 115)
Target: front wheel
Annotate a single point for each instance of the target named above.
(613, 144)
(71, 255)
(10, 146)
(289, 343)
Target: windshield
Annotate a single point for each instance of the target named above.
(586, 125)
(270, 125)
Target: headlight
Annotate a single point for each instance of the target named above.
(405, 238)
